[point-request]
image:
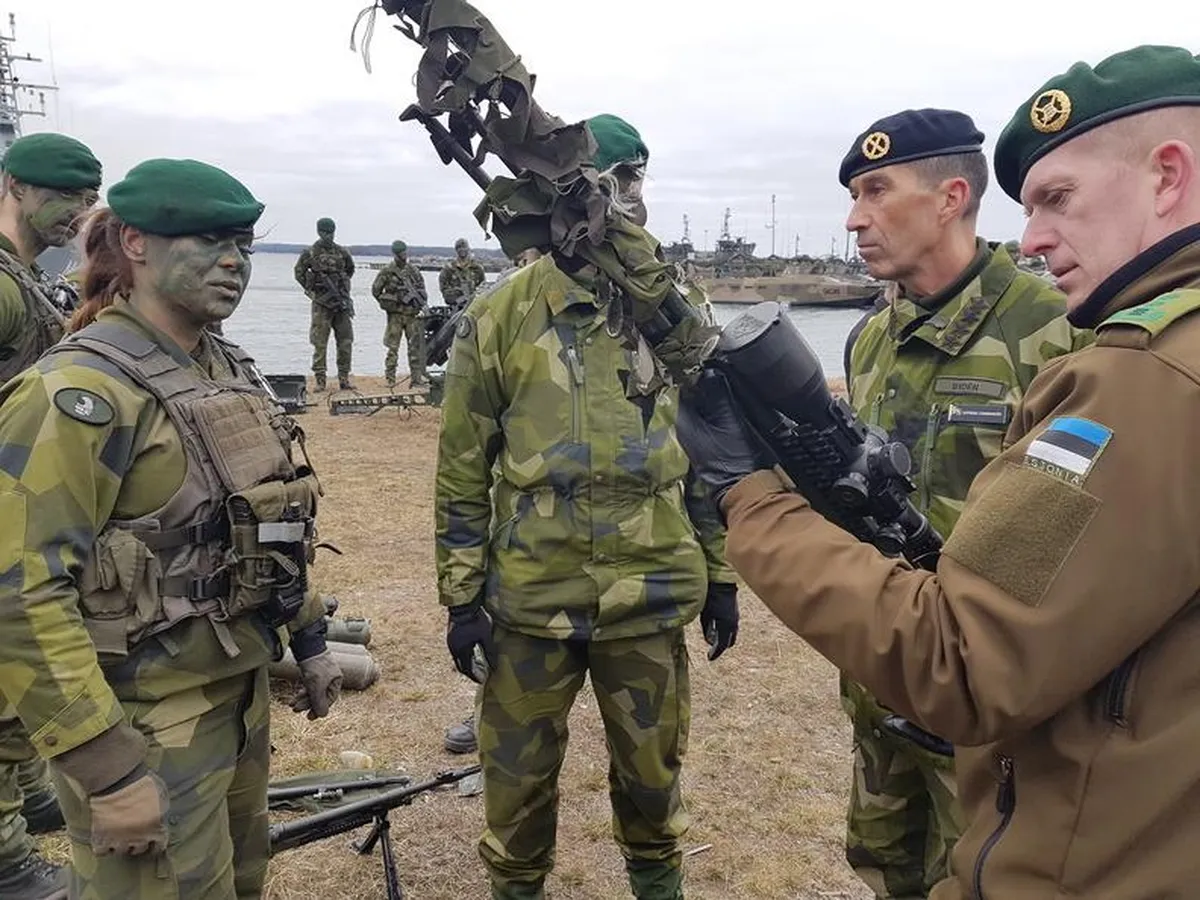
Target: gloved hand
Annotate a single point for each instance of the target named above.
(129, 818)
(469, 626)
(128, 802)
(719, 618)
(320, 674)
(322, 680)
(714, 435)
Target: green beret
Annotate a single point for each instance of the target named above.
(461, 242)
(907, 136)
(182, 196)
(52, 161)
(399, 246)
(1132, 81)
(616, 142)
(325, 225)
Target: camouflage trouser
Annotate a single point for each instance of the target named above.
(342, 326)
(904, 818)
(404, 324)
(211, 747)
(641, 688)
(22, 773)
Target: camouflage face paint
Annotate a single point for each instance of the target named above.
(54, 216)
(201, 278)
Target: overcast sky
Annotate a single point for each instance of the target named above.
(736, 101)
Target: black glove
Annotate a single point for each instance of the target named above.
(713, 434)
(468, 627)
(719, 618)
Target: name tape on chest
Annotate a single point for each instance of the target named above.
(1068, 449)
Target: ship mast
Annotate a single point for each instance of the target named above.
(686, 236)
(772, 225)
(13, 91)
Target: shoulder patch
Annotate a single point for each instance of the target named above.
(1155, 315)
(83, 406)
(1068, 448)
(465, 326)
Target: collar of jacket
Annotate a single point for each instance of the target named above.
(563, 289)
(1173, 262)
(948, 319)
(122, 312)
(10, 248)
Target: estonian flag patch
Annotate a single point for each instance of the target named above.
(1068, 449)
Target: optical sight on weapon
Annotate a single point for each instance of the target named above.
(849, 471)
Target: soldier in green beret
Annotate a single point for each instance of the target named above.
(570, 545)
(941, 369)
(1056, 643)
(325, 270)
(461, 277)
(399, 289)
(143, 454)
(49, 183)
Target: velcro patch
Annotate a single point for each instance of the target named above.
(84, 406)
(1068, 449)
(972, 387)
(986, 415)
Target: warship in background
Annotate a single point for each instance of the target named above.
(731, 273)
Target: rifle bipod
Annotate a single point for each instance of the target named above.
(371, 810)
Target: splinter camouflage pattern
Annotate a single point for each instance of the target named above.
(587, 535)
(945, 380)
(324, 271)
(400, 291)
(565, 503)
(61, 480)
(459, 280)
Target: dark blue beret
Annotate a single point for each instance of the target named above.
(912, 134)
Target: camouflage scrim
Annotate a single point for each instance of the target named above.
(587, 534)
(459, 280)
(945, 382)
(531, 692)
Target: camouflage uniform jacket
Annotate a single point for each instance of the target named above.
(562, 502)
(458, 281)
(399, 287)
(85, 446)
(27, 328)
(944, 377)
(324, 271)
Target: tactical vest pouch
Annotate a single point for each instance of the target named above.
(236, 429)
(272, 534)
(119, 592)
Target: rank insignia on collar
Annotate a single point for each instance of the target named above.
(1068, 449)
(876, 145)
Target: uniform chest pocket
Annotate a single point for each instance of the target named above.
(962, 437)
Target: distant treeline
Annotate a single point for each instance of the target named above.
(381, 250)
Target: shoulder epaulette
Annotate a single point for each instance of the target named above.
(1156, 315)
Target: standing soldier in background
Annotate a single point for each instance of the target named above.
(157, 536)
(49, 182)
(941, 369)
(324, 271)
(568, 548)
(400, 291)
(461, 277)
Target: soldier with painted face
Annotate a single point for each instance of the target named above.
(941, 369)
(461, 277)
(324, 270)
(399, 289)
(567, 549)
(49, 182)
(151, 578)
(1055, 645)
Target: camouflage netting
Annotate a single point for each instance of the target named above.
(552, 198)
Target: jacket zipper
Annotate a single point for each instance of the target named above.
(1006, 802)
(1115, 699)
(931, 427)
(576, 366)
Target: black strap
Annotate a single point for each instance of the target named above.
(202, 533)
(209, 587)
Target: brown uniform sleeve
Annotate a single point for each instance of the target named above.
(1045, 586)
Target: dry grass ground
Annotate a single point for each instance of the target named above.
(768, 763)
